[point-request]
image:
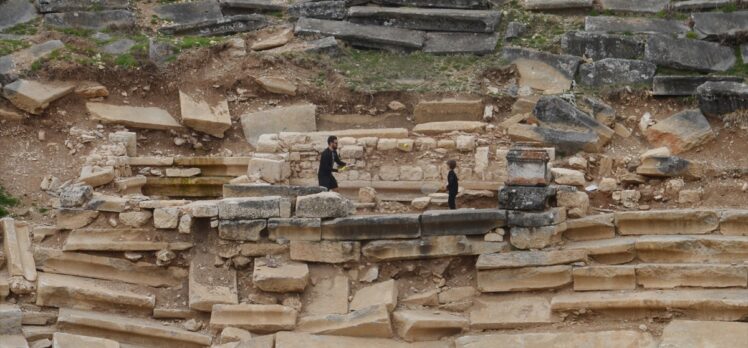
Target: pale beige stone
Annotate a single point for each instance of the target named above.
(210, 285)
(617, 339)
(277, 40)
(204, 114)
(604, 278)
(371, 321)
(423, 325)
(435, 128)
(253, 317)
(734, 223)
(17, 248)
(608, 251)
(523, 279)
(590, 228)
(565, 176)
(277, 85)
(383, 293)
(696, 221)
(692, 249)
(131, 116)
(702, 334)
(329, 296)
(34, 96)
(119, 240)
(518, 259)
(283, 277)
(303, 340)
(496, 312)
(56, 290)
(63, 340)
(666, 276)
(71, 219)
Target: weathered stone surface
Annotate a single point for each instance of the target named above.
(524, 279)
(495, 312)
(658, 276)
(63, 340)
(695, 334)
(373, 321)
(119, 240)
(434, 128)
(667, 222)
(608, 251)
(553, 216)
(14, 64)
(268, 169)
(669, 166)
(325, 251)
(294, 118)
(372, 227)
(685, 85)
(564, 176)
(423, 325)
(615, 71)
(719, 98)
(604, 278)
(324, 205)
(328, 296)
(70, 219)
(566, 142)
(647, 6)
(189, 12)
(210, 285)
(17, 249)
(283, 277)
(688, 5)
(249, 208)
(96, 20)
(253, 317)
(525, 198)
(166, 218)
(14, 12)
(461, 222)
(536, 237)
(518, 259)
(243, 6)
(34, 97)
(554, 112)
(211, 117)
(634, 25)
(478, 21)
(456, 43)
(556, 4)
(241, 230)
(600, 45)
(220, 26)
(260, 190)
(464, 4)
(56, 290)
(46, 6)
(75, 195)
(130, 331)
(295, 229)
(549, 72)
(277, 40)
(371, 36)
(11, 319)
(107, 268)
(318, 9)
(132, 116)
(527, 167)
(733, 223)
(721, 25)
(449, 109)
(383, 293)
(428, 247)
(692, 249)
(119, 47)
(621, 338)
(590, 228)
(686, 54)
(302, 340)
(681, 132)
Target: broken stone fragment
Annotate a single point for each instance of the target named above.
(323, 205)
(75, 195)
(96, 176)
(681, 132)
(276, 276)
(204, 113)
(34, 97)
(277, 85)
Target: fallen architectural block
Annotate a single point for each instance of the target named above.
(71, 219)
(210, 285)
(479, 21)
(565, 141)
(107, 268)
(17, 248)
(493, 313)
(268, 169)
(423, 325)
(132, 116)
(284, 277)
(127, 330)
(34, 97)
(241, 230)
(324, 205)
(720, 25)
(295, 118)
(370, 36)
(604, 278)
(330, 9)
(599, 46)
(524, 279)
(612, 338)
(63, 291)
(63, 340)
(372, 227)
(119, 240)
(461, 222)
(685, 85)
(694, 334)
(373, 321)
(667, 222)
(614, 24)
(657, 276)
(681, 132)
(684, 54)
(325, 251)
(383, 293)
(717, 98)
(542, 70)
(253, 317)
(93, 20)
(517, 259)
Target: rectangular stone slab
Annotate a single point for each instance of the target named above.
(685, 85)
(122, 240)
(614, 24)
(604, 278)
(456, 43)
(644, 6)
(518, 259)
(260, 318)
(132, 116)
(307, 229)
(200, 114)
(612, 338)
(94, 20)
(608, 251)
(523, 279)
(303, 340)
(371, 36)
(664, 276)
(325, 251)
(478, 21)
(372, 321)
(429, 247)
(685, 54)
(448, 109)
(13, 64)
(556, 4)
(461, 222)
(64, 291)
(497, 312)
(294, 118)
(17, 247)
(465, 4)
(46, 6)
(698, 334)
(719, 25)
(372, 227)
(137, 332)
(733, 223)
(667, 222)
(34, 97)
(259, 190)
(590, 228)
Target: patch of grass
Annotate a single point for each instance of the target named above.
(126, 60)
(188, 42)
(543, 30)
(28, 28)
(729, 8)
(10, 46)
(671, 71)
(277, 14)
(692, 35)
(740, 68)
(6, 201)
(80, 32)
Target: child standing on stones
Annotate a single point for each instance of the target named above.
(452, 184)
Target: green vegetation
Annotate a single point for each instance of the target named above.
(740, 68)
(188, 42)
(543, 30)
(10, 46)
(664, 14)
(692, 35)
(126, 60)
(6, 201)
(80, 32)
(729, 8)
(28, 28)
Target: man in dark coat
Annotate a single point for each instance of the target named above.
(452, 184)
(326, 164)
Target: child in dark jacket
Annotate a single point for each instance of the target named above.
(452, 184)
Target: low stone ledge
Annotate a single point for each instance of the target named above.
(372, 227)
(462, 221)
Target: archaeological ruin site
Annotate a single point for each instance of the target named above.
(159, 179)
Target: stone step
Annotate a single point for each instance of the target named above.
(685, 85)
(545, 5)
(372, 227)
(210, 285)
(608, 251)
(74, 5)
(63, 291)
(666, 222)
(63, 340)
(325, 251)
(478, 21)
(370, 36)
(197, 187)
(590, 228)
(692, 249)
(93, 20)
(107, 268)
(17, 249)
(659, 276)
(460, 4)
(452, 222)
(188, 12)
(719, 98)
(373, 321)
(401, 186)
(684, 54)
(244, 6)
(697, 334)
(130, 331)
(132, 116)
(123, 240)
(209, 166)
(429, 247)
(695, 5)
(304, 340)
(524, 279)
(707, 304)
(259, 190)
(604, 278)
(720, 25)
(518, 259)
(500, 312)
(612, 339)
(733, 223)
(614, 24)
(456, 43)
(435, 128)
(599, 46)
(217, 27)
(253, 317)
(427, 325)
(626, 6)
